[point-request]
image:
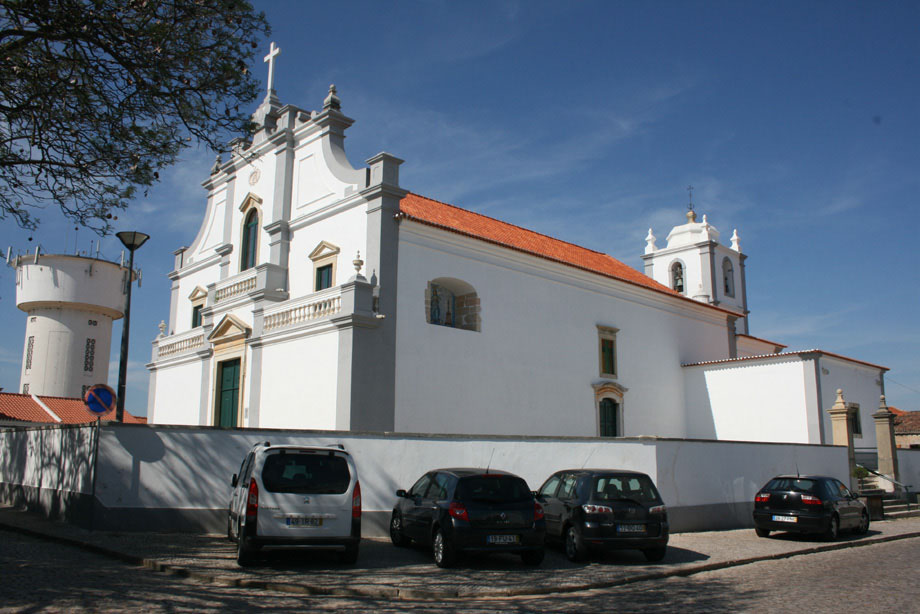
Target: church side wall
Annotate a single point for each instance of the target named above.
(748, 402)
(187, 285)
(299, 380)
(531, 368)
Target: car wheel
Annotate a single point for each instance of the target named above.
(653, 555)
(443, 551)
(833, 528)
(396, 531)
(863, 527)
(575, 548)
(533, 557)
(350, 555)
(244, 551)
(762, 532)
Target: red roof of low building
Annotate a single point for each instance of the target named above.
(24, 408)
(906, 422)
(461, 221)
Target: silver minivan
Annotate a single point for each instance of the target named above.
(295, 497)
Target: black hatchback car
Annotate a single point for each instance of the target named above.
(808, 504)
(470, 510)
(605, 509)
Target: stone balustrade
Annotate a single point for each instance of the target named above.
(304, 310)
(180, 344)
(235, 286)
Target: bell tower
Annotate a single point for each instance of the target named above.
(696, 265)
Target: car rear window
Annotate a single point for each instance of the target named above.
(794, 485)
(635, 487)
(493, 489)
(305, 473)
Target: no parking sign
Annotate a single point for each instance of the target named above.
(100, 399)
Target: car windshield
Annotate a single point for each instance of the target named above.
(638, 488)
(305, 473)
(493, 489)
(793, 485)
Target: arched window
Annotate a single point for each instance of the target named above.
(250, 243)
(609, 426)
(728, 277)
(452, 302)
(677, 277)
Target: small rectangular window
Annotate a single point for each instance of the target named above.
(196, 316)
(607, 348)
(856, 423)
(25, 389)
(324, 277)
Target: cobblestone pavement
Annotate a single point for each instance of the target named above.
(386, 572)
(46, 576)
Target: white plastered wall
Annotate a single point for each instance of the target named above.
(178, 394)
(531, 368)
(299, 380)
(860, 384)
(749, 401)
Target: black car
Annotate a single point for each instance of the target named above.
(605, 509)
(808, 504)
(470, 510)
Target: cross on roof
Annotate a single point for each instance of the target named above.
(270, 58)
(690, 205)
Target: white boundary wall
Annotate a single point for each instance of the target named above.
(178, 478)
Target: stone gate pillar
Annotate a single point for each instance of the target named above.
(884, 437)
(842, 427)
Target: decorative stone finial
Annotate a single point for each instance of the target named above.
(650, 242)
(736, 241)
(705, 221)
(162, 327)
(839, 403)
(691, 216)
(217, 162)
(883, 404)
(332, 101)
(358, 263)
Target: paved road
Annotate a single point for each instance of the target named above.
(44, 576)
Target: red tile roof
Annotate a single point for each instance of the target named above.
(454, 219)
(23, 408)
(907, 423)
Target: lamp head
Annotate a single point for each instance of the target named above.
(132, 239)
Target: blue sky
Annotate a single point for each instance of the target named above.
(796, 123)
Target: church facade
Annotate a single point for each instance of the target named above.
(317, 295)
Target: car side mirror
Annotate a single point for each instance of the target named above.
(401, 493)
(234, 480)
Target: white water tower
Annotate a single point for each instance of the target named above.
(71, 302)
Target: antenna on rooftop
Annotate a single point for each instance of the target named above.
(489, 464)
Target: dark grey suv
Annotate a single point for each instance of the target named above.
(594, 509)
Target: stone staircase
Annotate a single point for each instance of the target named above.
(894, 504)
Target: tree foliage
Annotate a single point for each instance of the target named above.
(98, 96)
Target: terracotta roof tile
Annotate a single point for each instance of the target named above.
(22, 407)
(454, 219)
(907, 423)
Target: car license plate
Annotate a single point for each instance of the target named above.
(631, 528)
(301, 521)
(784, 518)
(503, 539)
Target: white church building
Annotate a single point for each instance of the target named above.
(317, 295)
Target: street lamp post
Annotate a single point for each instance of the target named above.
(133, 241)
